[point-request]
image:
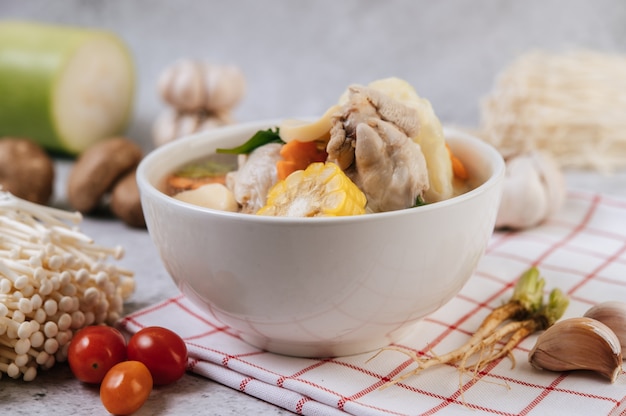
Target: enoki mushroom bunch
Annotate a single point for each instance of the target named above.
(571, 105)
(53, 281)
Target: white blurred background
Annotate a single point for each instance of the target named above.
(298, 56)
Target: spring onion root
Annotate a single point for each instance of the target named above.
(500, 332)
(53, 281)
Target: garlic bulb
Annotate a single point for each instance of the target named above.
(578, 344)
(171, 124)
(613, 315)
(534, 189)
(191, 86)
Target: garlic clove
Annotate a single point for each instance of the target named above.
(225, 87)
(181, 85)
(578, 343)
(534, 189)
(192, 86)
(552, 178)
(306, 131)
(613, 315)
(524, 203)
(171, 124)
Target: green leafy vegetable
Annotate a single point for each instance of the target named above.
(260, 138)
(419, 201)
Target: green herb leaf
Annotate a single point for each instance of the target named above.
(419, 201)
(260, 138)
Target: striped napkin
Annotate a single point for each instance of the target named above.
(582, 251)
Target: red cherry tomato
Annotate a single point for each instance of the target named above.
(162, 351)
(94, 350)
(126, 387)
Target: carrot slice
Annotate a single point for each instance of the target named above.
(297, 156)
(458, 168)
(177, 184)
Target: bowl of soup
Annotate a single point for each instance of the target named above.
(325, 285)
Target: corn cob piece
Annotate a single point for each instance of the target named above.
(321, 190)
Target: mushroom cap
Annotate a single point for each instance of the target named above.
(26, 170)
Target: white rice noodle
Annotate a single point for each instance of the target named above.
(572, 105)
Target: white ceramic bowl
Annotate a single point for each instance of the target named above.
(320, 286)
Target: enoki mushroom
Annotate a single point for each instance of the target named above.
(54, 280)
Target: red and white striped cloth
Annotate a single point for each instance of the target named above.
(582, 251)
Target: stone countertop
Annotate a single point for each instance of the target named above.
(58, 391)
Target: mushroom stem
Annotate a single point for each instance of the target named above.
(48, 215)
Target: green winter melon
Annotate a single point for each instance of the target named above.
(64, 87)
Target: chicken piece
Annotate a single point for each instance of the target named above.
(371, 141)
(430, 137)
(255, 176)
(363, 104)
(390, 168)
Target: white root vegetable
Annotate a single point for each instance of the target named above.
(54, 280)
(534, 189)
(75, 86)
(212, 195)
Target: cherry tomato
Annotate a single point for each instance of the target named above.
(94, 350)
(162, 351)
(126, 387)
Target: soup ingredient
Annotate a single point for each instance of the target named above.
(212, 195)
(429, 136)
(26, 170)
(64, 87)
(163, 351)
(613, 315)
(54, 280)
(98, 169)
(321, 190)
(94, 350)
(305, 131)
(458, 168)
(533, 191)
(371, 141)
(502, 330)
(259, 139)
(195, 175)
(579, 343)
(255, 176)
(570, 105)
(126, 201)
(371, 135)
(191, 86)
(171, 124)
(297, 155)
(126, 387)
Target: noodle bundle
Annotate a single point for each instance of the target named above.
(572, 105)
